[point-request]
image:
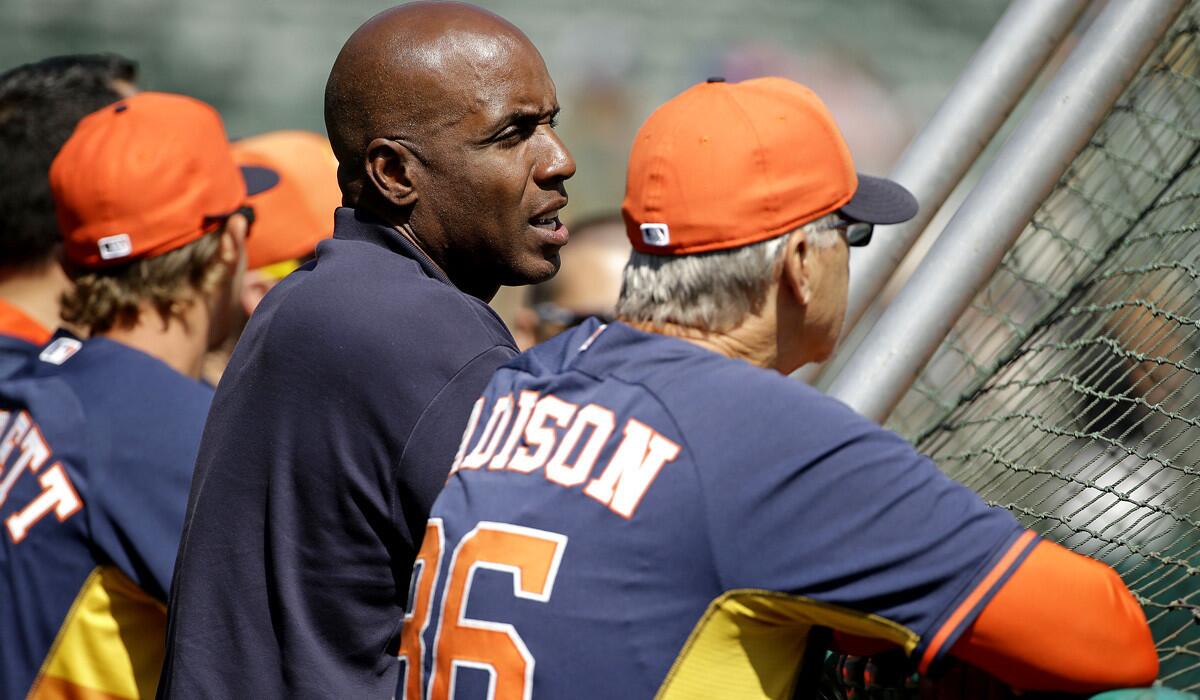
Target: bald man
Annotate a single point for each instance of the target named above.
(339, 415)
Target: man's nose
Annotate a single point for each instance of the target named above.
(555, 163)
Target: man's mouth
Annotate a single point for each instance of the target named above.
(548, 221)
(553, 231)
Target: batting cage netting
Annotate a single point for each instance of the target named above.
(1069, 392)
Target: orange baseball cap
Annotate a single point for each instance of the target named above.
(291, 218)
(145, 176)
(724, 165)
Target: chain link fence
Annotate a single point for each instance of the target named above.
(1069, 391)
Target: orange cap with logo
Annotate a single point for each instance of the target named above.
(297, 213)
(144, 176)
(724, 165)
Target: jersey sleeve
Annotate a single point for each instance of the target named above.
(830, 507)
(1063, 622)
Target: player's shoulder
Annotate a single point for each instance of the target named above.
(713, 398)
(15, 355)
(118, 384)
(137, 416)
(358, 299)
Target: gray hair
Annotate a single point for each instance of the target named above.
(709, 291)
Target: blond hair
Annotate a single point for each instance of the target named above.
(104, 299)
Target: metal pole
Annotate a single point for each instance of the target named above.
(992, 84)
(995, 213)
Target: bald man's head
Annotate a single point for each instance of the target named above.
(441, 117)
(390, 78)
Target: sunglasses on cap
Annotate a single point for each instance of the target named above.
(858, 233)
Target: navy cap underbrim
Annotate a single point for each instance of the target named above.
(259, 179)
(879, 200)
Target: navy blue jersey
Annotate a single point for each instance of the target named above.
(631, 514)
(14, 354)
(20, 338)
(332, 431)
(97, 443)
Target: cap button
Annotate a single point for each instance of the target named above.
(715, 79)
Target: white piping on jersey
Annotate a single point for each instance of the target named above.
(592, 338)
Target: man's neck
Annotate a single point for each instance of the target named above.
(746, 342)
(468, 284)
(484, 292)
(36, 290)
(178, 341)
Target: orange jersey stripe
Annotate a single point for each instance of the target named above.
(985, 586)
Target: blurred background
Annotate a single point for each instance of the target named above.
(882, 66)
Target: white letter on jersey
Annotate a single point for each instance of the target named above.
(524, 407)
(493, 432)
(632, 469)
(58, 496)
(34, 453)
(471, 423)
(16, 431)
(602, 422)
(541, 435)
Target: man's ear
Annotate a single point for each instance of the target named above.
(233, 239)
(796, 268)
(389, 169)
(255, 285)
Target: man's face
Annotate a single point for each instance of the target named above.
(830, 279)
(808, 330)
(492, 185)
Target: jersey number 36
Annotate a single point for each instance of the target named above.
(530, 556)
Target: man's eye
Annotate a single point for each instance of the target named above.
(523, 131)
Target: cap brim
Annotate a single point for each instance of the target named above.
(879, 200)
(258, 179)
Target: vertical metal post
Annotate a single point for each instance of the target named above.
(991, 85)
(995, 213)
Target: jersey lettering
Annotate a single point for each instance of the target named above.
(568, 441)
(540, 435)
(466, 438)
(493, 432)
(632, 469)
(58, 496)
(525, 406)
(12, 437)
(602, 423)
(34, 453)
(531, 556)
(426, 569)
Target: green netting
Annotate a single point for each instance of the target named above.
(1069, 392)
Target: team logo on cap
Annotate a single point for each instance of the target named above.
(118, 246)
(656, 234)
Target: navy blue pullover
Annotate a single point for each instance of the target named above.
(331, 434)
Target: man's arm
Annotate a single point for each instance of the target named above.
(1062, 622)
